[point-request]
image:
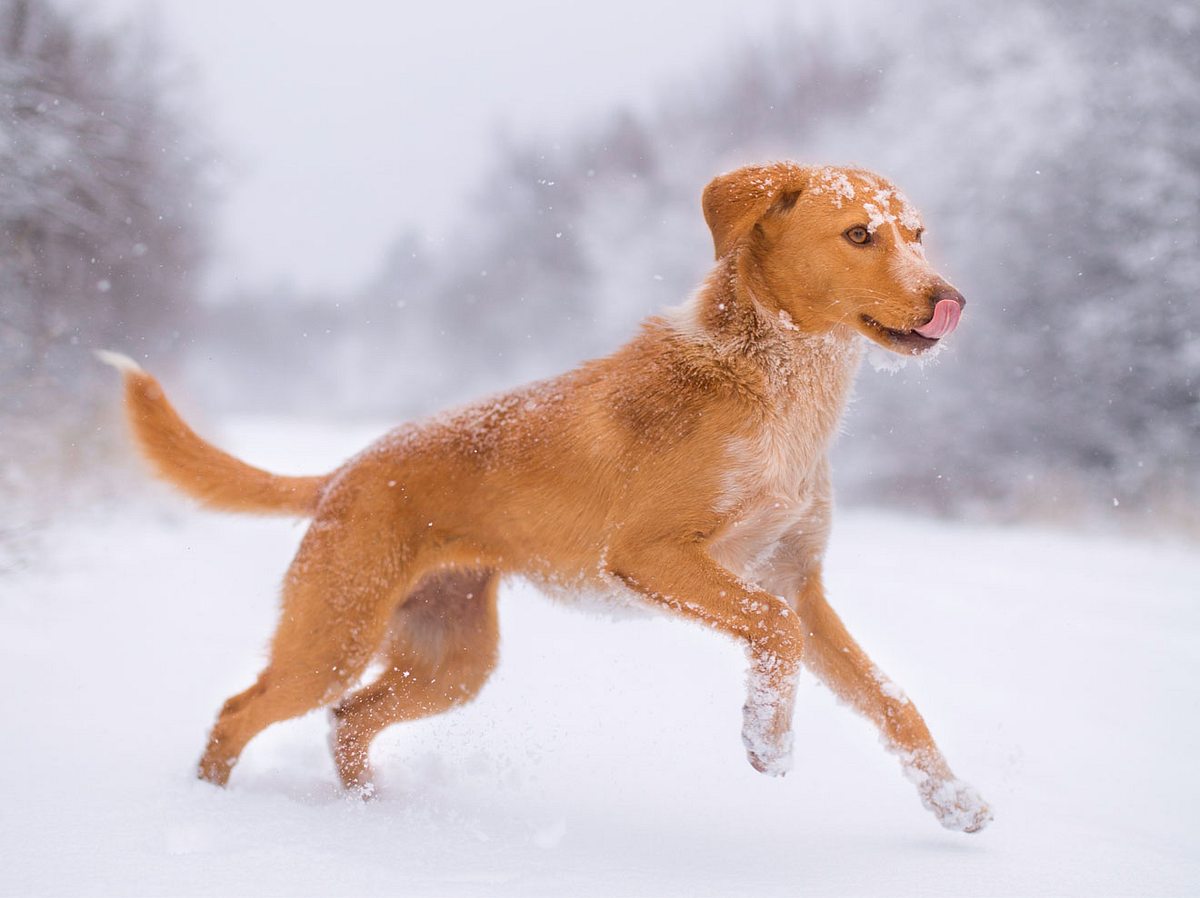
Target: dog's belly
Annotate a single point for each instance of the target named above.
(600, 595)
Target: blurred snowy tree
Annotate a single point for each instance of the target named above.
(1078, 380)
(100, 234)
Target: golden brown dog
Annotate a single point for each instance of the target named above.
(689, 469)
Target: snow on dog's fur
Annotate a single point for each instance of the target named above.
(689, 467)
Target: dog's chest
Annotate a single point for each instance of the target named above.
(775, 486)
(774, 462)
(775, 482)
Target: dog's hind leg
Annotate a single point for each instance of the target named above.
(836, 659)
(442, 648)
(337, 597)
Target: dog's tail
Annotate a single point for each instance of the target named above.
(179, 456)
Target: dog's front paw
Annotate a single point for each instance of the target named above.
(768, 747)
(956, 804)
(772, 763)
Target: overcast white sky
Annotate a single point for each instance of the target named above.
(346, 121)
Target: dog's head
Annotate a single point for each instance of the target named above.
(834, 246)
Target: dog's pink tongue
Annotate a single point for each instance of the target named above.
(945, 319)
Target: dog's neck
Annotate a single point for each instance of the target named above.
(746, 331)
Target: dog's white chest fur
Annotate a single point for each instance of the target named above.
(775, 487)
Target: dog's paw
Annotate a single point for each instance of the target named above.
(214, 770)
(350, 758)
(365, 790)
(772, 764)
(956, 804)
(768, 751)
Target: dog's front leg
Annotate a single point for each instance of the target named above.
(686, 580)
(836, 659)
(767, 716)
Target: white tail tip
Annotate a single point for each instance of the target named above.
(120, 361)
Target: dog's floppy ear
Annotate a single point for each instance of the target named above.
(735, 201)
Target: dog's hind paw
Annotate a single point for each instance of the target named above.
(350, 758)
(214, 770)
(365, 790)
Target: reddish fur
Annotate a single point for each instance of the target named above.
(689, 466)
(210, 476)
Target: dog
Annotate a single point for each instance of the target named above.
(688, 470)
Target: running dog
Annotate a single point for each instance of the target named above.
(689, 469)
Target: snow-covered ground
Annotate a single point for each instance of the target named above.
(1058, 672)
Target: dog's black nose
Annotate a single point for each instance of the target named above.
(945, 291)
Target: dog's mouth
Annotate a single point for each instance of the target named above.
(914, 341)
(902, 341)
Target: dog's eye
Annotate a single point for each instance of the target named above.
(858, 235)
(920, 234)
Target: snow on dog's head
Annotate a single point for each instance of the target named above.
(833, 249)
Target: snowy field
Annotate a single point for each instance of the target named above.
(603, 759)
